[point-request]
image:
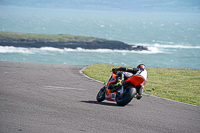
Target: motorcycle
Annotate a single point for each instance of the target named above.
(123, 94)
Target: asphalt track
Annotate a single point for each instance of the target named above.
(56, 98)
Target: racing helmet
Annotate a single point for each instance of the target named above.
(141, 67)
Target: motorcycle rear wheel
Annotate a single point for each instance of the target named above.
(127, 96)
(101, 95)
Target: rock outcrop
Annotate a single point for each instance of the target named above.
(71, 42)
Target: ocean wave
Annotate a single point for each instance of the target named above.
(11, 49)
(152, 49)
(156, 45)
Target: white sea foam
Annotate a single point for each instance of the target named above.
(51, 49)
(152, 49)
(156, 45)
(11, 49)
(110, 50)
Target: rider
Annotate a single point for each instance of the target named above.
(116, 82)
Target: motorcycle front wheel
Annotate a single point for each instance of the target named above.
(101, 95)
(127, 96)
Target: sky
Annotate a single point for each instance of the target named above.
(111, 5)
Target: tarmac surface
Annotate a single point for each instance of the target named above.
(56, 98)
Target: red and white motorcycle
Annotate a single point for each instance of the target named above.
(126, 92)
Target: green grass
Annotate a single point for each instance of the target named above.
(177, 84)
(18, 36)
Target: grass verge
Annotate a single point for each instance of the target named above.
(18, 36)
(176, 84)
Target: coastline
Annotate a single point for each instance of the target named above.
(62, 41)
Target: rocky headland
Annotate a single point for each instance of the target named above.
(62, 41)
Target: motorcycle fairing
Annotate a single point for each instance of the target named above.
(110, 96)
(136, 80)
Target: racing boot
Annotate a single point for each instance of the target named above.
(138, 96)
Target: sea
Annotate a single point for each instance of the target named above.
(172, 39)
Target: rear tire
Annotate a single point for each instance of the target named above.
(101, 95)
(124, 99)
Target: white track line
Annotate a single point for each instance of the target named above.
(81, 72)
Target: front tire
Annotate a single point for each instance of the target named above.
(127, 96)
(101, 95)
